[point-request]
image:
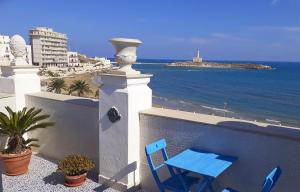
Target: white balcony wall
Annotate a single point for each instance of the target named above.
(6, 100)
(259, 147)
(76, 130)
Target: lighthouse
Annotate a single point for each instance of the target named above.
(197, 59)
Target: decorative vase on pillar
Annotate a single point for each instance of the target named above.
(20, 77)
(18, 50)
(126, 54)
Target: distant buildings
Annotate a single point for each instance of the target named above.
(73, 60)
(197, 59)
(49, 48)
(103, 61)
(5, 54)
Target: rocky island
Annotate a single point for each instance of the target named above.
(199, 63)
(192, 64)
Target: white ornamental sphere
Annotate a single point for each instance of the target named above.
(17, 46)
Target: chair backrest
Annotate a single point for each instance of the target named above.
(155, 146)
(152, 148)
(271, 179)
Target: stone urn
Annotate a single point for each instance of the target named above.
(126, 54)
(19, 63)
(18, 50)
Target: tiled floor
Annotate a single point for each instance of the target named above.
(43, 178)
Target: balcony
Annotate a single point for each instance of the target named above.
(114, 131)
(258, 146)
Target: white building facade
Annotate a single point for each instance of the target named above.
(49, 48)
(103, 61)
(5, 53)
(73, 60)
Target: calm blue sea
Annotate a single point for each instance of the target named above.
(262, 95)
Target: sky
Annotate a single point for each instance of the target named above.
(256, 30)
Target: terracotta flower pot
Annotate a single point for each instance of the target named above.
(75, 181)
(16, 164)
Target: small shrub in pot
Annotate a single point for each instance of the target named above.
(75, 168)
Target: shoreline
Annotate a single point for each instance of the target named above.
(193, 107)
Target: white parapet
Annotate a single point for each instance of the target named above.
(19, 81)
(122, 98)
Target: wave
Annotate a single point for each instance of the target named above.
(217, 109)
(273, 121)
(189, 106)
(151, 63)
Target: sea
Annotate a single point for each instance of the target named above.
(270, 96)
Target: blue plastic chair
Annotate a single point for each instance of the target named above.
(269, 182)
(177, 182)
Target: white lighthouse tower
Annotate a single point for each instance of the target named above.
(197, 59)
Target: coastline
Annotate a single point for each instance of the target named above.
(190, 106)
(257, 95)
(248, 95)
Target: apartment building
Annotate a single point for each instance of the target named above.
(73, 60)
(49, 48)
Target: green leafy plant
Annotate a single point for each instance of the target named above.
(79, 86)
(52, 74)
(97, 93)
(42, 72)
(16, 124)
(75, 165)
(57, 85)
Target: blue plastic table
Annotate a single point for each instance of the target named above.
(207, 164)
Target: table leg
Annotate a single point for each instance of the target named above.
(182, 180)
(206, 184)
(210, 180)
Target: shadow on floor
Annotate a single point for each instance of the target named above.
(54, 179)
(92, 175)
(112, 182)
(105, 187)
(58, 178)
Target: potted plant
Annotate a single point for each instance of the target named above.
(75, 168)
(17, 154)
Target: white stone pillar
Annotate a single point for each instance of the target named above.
(20, 77)
(122, 96)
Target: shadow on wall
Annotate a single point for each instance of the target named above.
(86, 102)
(131, 168)
(1, 169)
(76, 126)
(264, 154)
(270, 130)
(3, 141)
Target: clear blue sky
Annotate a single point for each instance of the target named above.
(170, 29)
